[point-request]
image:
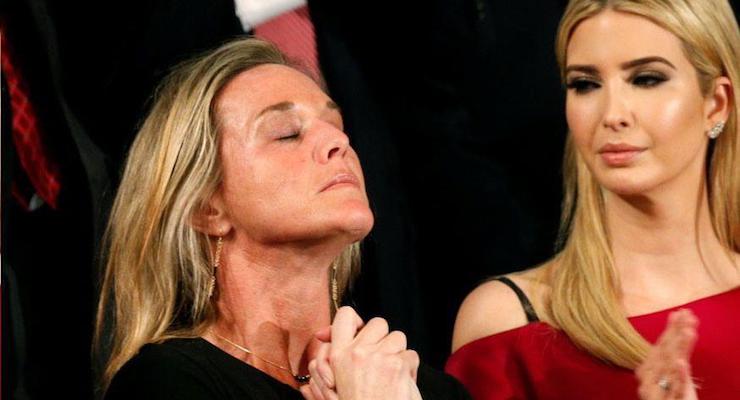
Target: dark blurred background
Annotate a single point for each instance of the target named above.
(454, 106)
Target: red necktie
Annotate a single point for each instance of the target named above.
(33, 156)
(292, 32)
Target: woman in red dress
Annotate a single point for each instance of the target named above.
(651, 221)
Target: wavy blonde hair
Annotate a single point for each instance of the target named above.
(585, 297)
(158, 268)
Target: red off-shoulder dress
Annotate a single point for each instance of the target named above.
(536, 361)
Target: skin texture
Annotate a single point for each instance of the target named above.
(292, 198)
(277, 162)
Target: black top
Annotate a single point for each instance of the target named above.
(526, 304)
(196, 369)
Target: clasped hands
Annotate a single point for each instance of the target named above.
(361, 361)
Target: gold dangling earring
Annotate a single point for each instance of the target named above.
(334, 289)
(216, 264)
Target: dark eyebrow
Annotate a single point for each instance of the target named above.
(282, 106)
(592, 70)
(646, 60)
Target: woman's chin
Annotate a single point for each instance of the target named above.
(626, 183)
(357, 223)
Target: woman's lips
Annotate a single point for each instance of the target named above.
(619, 155)
(339, 180)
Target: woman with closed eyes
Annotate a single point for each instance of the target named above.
(234, 232)
(643, 295)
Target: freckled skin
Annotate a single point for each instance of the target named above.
(271, 182)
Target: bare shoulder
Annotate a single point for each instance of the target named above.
(493, 307)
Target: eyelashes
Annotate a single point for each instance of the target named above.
(645, 80)
(649, 79)
(289, 137)
(582, 85)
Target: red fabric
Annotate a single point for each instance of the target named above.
(33, 157)
(537, 361)
(293, 33)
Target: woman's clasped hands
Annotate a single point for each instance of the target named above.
(361, 361)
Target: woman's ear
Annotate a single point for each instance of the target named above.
(719, 102)
(212, 219)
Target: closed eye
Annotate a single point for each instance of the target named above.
(289, 137)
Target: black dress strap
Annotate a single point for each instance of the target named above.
(526, 304)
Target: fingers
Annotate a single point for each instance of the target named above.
(344, 328)
(318, 385)
(324, 334)
(679, 378)
(411, 360)
(323, 368)
(392, 343)
(686, 333)
(415, 393)
(666, 372)
(373, 332)
(359, 360)
(308, 393)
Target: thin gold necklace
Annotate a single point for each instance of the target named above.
(302, 379)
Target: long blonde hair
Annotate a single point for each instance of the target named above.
(585, 297)
(158, 268)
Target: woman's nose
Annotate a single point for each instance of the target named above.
(617, 114)
(333, 143)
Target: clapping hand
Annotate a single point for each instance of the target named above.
(666, 372)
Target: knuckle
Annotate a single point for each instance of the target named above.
(414, 356)
(358, 354)
(344, 310)
(394, 364)
(380, 323)
(335, 357)
(400, 336)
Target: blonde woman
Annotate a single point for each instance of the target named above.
(651, 221)
(231, 240)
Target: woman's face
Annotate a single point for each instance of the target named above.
(289, 173)
(634, 106)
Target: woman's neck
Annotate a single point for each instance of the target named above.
(271, 300)
(665, 248)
